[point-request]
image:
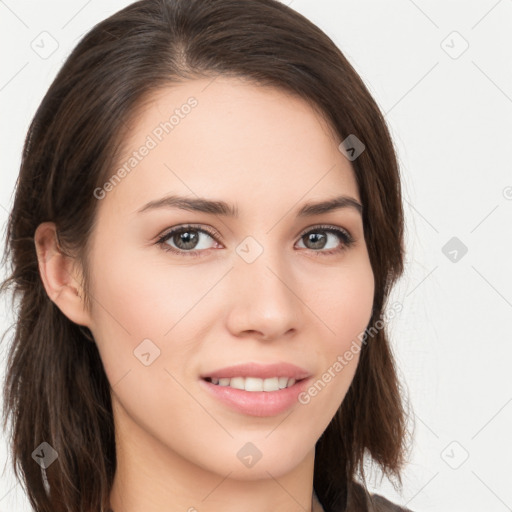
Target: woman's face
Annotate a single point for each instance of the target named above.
(232, 289)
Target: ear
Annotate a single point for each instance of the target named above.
(58, 272)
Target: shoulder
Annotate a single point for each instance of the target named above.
(381, 504)
(359, 499)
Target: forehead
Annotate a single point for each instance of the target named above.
(233, 140)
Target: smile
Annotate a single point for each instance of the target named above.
(254, 383)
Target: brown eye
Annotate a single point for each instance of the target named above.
(187, 240)
(326, 237)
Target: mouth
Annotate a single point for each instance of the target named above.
(254, 384)
(256, 396)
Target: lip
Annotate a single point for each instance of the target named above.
(261, 371)
(257, 403)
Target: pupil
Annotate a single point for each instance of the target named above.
(318, 240)
(187, 239)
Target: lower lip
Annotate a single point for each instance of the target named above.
(257, 403)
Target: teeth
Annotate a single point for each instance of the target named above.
(283, 382)
(255, 384)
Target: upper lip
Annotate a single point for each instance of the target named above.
(262, 371)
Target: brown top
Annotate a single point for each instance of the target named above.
(361, 500)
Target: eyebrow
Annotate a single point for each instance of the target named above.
(200, 204)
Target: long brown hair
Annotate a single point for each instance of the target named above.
(70, 149)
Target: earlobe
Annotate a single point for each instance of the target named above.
(57, 274)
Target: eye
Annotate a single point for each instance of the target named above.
(186, 238)
(193, 241)
(318, 238)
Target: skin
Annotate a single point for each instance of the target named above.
(269, 153)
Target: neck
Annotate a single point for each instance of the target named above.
(152, 477)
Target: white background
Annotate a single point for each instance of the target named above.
(450, 114)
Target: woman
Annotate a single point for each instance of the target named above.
(206, 228)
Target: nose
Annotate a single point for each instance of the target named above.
(265, 301)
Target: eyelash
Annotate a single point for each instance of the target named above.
(345, 237)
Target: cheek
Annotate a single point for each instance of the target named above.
(343, 303)
(135, 302)
(143, 296)
(343, 306)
